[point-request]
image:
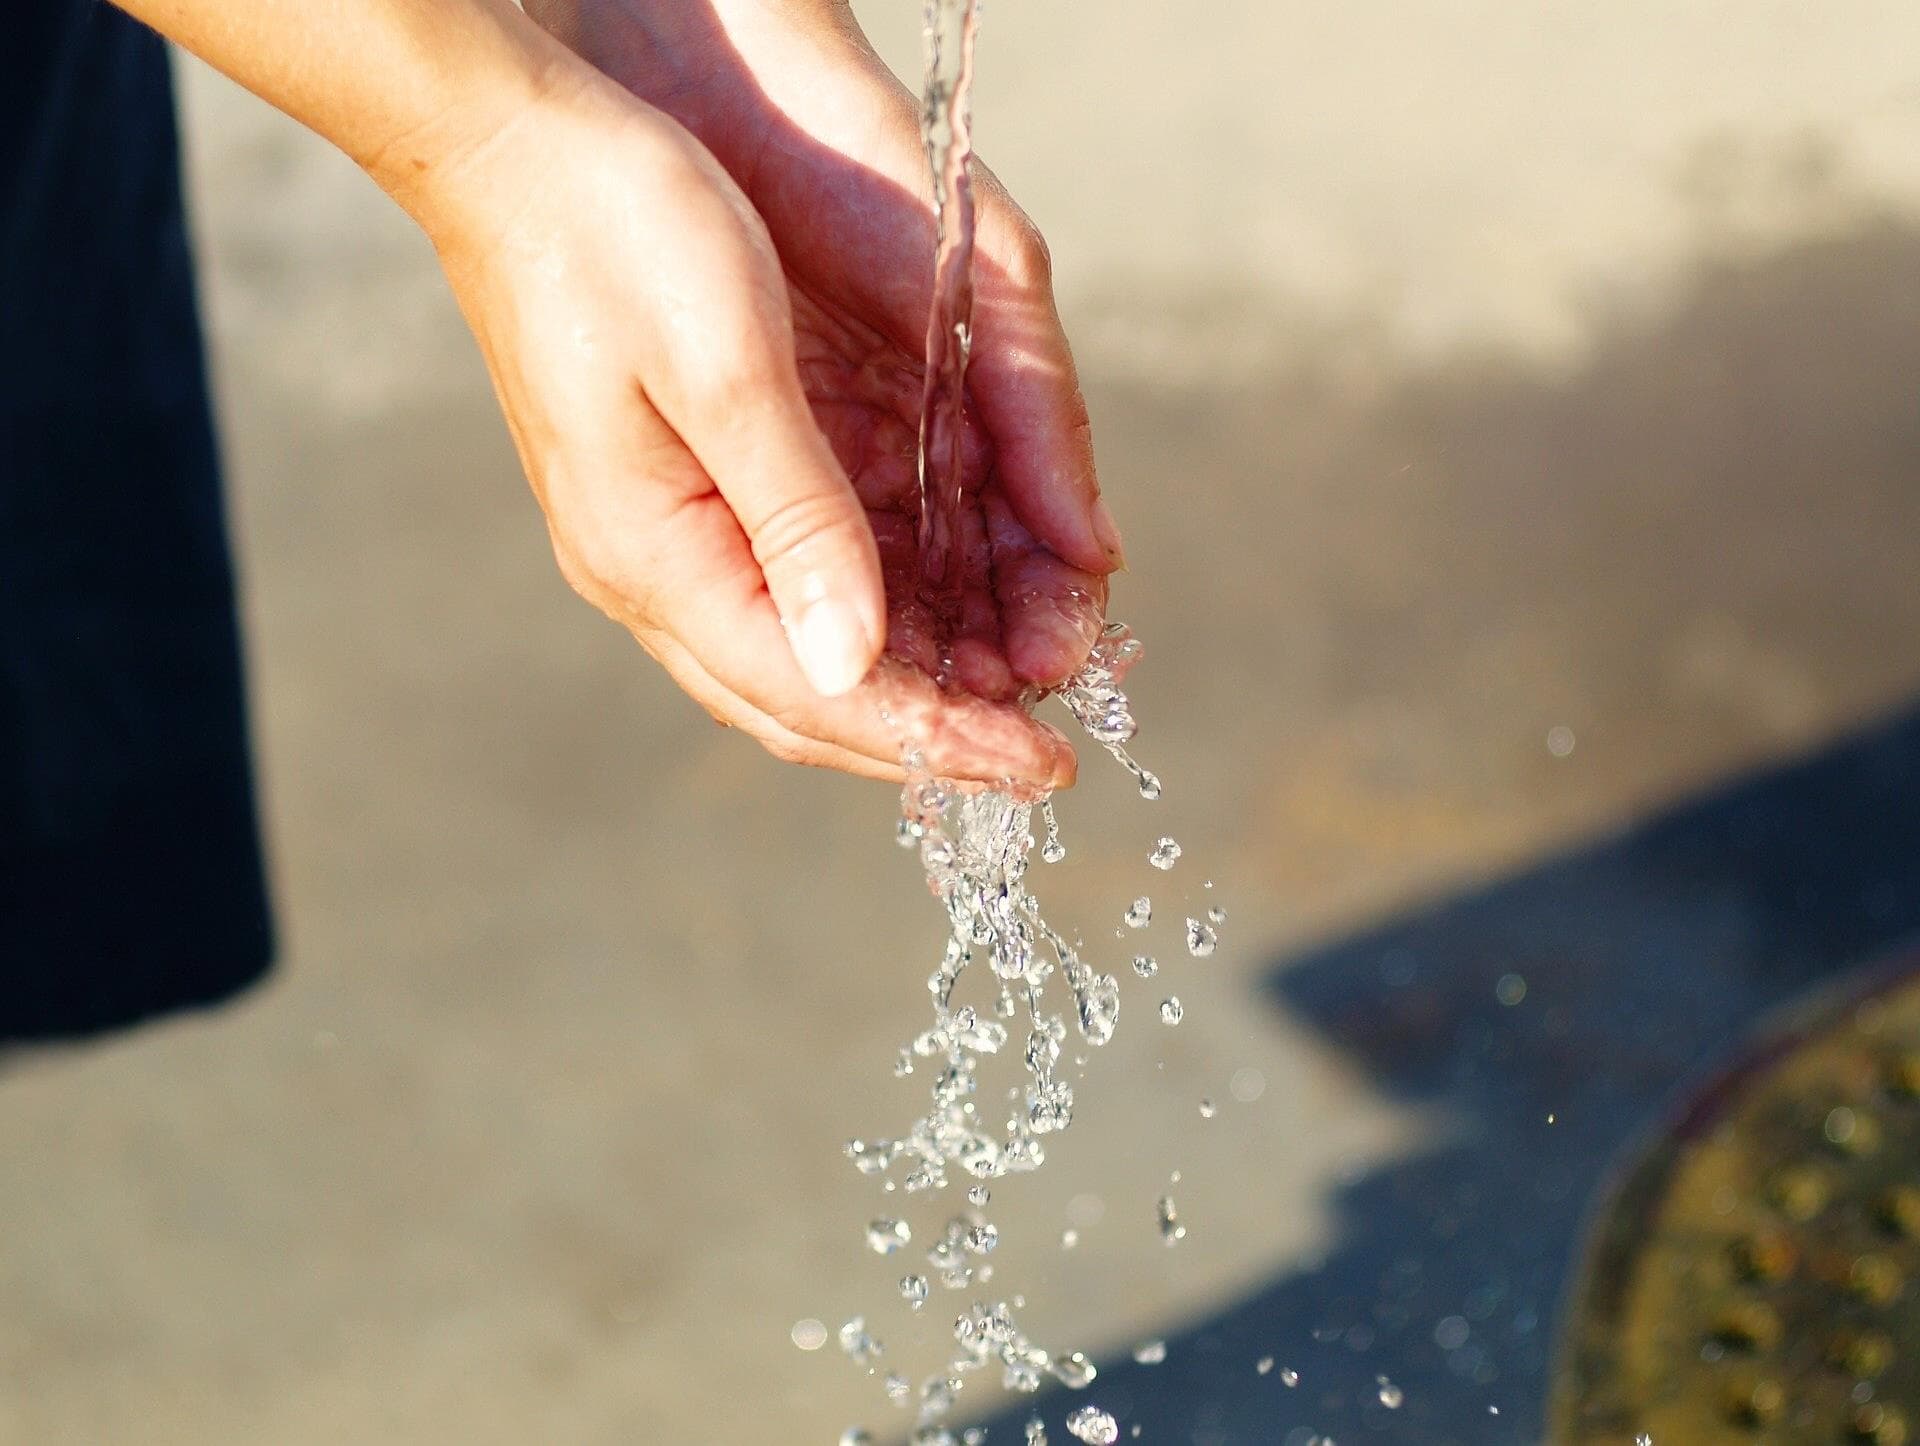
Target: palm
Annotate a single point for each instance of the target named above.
(825, 144)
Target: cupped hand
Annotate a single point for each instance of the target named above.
(721, 423)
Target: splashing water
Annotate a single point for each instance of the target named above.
(974, 846)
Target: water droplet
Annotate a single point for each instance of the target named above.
(1036, 1432)
(871, 1157)
(855, 1341)
(1140, 914)
(1075, 1371)
(854, 1436)
(1201, 938)
(1247, 1084)
(1165, 854)
(1171, 1011)
(1263, 1365)
(1052, 851)
(982, 1238)
(1171, 1230)
(1510, 989)
(898, 1387)
(809, 1335)
(1289, 1377)
(1098, 998)
(1560, 740)
(913, 1290)
(1149, 786)
(1145, 965)
(1150, 1353)
(1208, 1109)
(979, 1194)
(1391, 1396)
(1069, 1238)
(886, 1236)
(1643, 1439)
(1094, 1426)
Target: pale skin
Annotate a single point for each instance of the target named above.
(692, 240)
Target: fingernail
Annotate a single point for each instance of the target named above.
(831, 646)
(1107, 531)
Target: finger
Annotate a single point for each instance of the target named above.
(731, 709)
(707, 596)
(1051, 612)
(1024, 385)
(735, 399)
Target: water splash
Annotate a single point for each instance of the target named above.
(1031, 985)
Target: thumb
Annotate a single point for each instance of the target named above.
(754, 434)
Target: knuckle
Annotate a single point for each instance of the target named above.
(603, 575)
(795, 525)
(1032, 259)
(740, 377)
(787, 747)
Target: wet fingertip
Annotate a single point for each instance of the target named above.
(1066, 763)
(983, 671)
(1107, 533)
(1047, 649)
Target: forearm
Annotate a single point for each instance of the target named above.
(407, 88)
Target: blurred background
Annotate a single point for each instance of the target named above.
(1513, 415)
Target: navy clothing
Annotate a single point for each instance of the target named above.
(130, 870)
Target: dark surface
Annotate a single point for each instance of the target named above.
(130, 876)
(1647, 957)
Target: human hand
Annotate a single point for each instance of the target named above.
(649, 353)
(825, 143)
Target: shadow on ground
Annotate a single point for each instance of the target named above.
(1546, 1019)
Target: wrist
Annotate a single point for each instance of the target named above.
(485, 95)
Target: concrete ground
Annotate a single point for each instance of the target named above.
(1465, 379)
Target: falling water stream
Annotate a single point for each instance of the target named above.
(1032, 987)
